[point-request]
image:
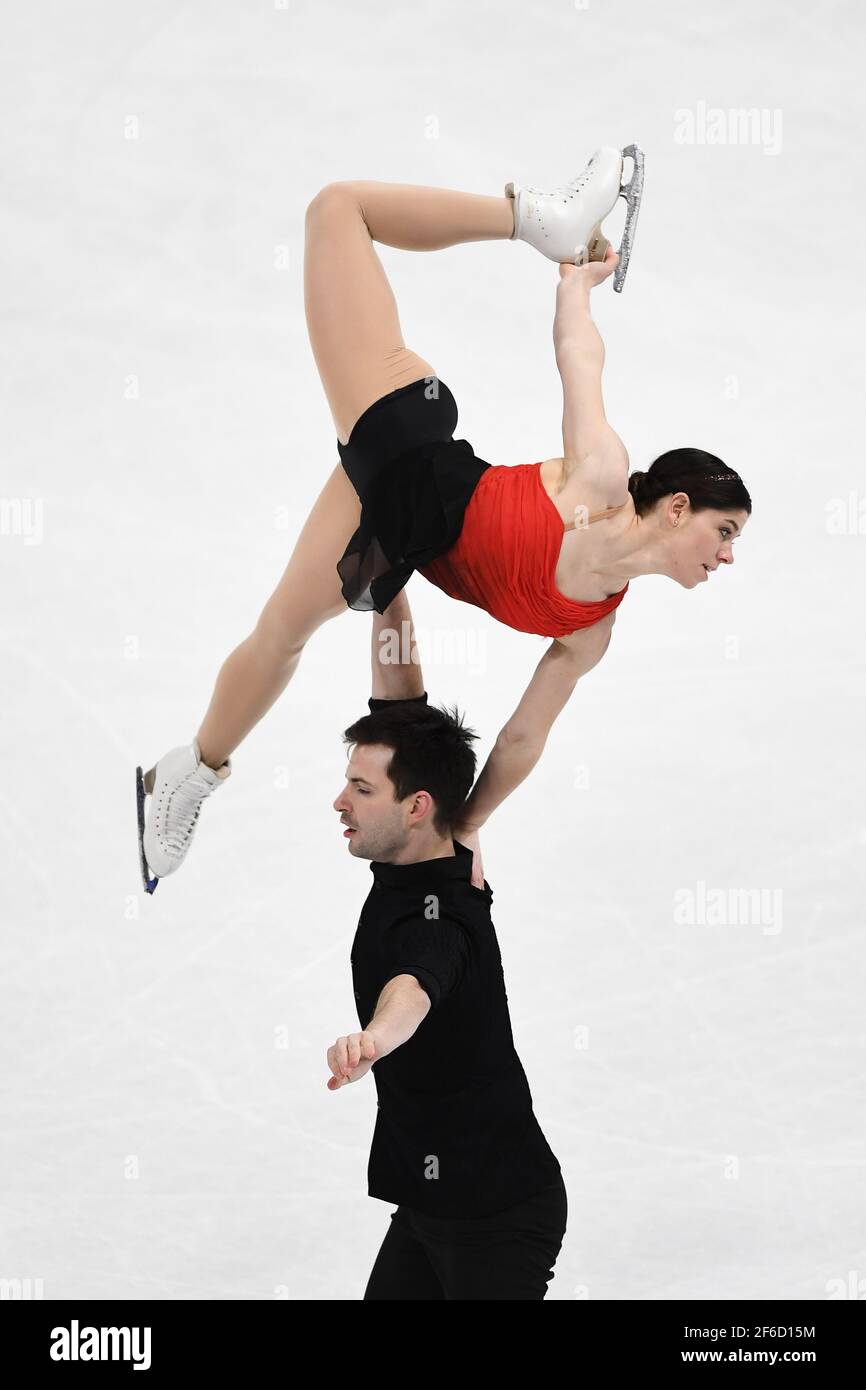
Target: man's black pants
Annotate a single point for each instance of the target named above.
(506, 1256)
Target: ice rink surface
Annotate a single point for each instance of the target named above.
(678, 887)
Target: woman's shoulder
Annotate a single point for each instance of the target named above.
(602, 467)
(594, 482)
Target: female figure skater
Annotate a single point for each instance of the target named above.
(547, 547)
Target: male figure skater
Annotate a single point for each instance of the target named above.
(481, 1204)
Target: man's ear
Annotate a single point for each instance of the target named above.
(422, 805)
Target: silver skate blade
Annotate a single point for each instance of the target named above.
(632, 192)
(149, 883)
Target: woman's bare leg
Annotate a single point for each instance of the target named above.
(308, 594)
(358, 345)
(352, 316)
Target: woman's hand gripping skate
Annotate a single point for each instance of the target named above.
(574, 333)
(574, 277)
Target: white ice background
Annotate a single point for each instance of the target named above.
(166, 1127)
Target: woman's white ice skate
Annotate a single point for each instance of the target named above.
(177, 785)
(565, 224)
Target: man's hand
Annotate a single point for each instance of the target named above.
(351, 1058)
(469, 838)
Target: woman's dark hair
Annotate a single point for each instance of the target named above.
(432, 752)
(708, 482)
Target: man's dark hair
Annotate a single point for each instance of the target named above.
(432, 752)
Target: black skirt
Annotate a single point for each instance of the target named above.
(414, 482)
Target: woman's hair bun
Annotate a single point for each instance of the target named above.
(635, 482)
(707, 481)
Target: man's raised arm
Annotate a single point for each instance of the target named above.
(394, 657)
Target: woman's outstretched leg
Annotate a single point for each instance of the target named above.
(308, 594)
(352, 316)
(249, 682)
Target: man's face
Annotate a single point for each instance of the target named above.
(377, 824)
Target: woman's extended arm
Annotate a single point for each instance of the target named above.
(587, 438)
(522, 739)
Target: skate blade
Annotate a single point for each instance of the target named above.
(632, 192)
(149, 883)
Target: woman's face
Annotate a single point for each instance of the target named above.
(701, 541)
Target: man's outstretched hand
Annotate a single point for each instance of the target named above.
(350, 1058)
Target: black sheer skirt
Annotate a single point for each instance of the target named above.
(414, 482)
